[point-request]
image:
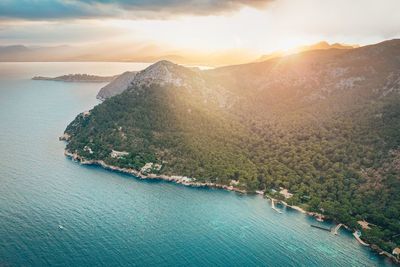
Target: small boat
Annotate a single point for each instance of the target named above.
(319, 219)
(60, 226)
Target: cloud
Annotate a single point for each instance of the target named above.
(129, 9)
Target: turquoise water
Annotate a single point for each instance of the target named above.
(56, 212)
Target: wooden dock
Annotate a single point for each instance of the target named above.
(273, 206)
(357, 236)
(320, 227)
(335, 231)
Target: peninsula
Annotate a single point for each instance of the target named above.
(321, 124)
(80, 78)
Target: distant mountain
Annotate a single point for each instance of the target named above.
(175, 58)
(325, 45)
(13, 49)
(13, 52)
(323, 124)
(129, 53)
(318, 46)
(112, 52)
(20, 53)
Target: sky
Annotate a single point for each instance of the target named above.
(235, 29)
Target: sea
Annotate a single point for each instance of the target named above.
(56, 212)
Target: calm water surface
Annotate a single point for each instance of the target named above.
(55, 212)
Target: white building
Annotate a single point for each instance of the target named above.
(118, 154)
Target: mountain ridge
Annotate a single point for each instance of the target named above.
(323, 45)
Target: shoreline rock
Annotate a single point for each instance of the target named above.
(175, 179)
(64, 137)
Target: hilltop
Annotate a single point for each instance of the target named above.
(117, 86)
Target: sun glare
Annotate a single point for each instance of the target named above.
(287, 45)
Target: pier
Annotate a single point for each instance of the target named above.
(357, 235)
(320, 227)
(335, 231)
(273, 206)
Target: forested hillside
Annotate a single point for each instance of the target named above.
(323, 124)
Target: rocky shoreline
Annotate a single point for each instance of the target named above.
(192, 183)
(175, 179)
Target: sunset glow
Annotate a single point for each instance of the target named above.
(200, 133)
(239, 32)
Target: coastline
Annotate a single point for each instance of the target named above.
(192, 183)
(77, 78)
(175, 179)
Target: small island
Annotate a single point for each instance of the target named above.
(79, 78)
